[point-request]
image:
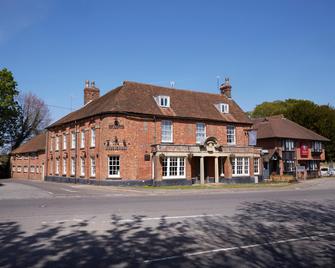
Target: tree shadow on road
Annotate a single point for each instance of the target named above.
(131, 243)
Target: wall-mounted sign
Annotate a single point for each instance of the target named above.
(116, 125)
(115, 145)
(304, 150)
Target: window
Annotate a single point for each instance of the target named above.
(64, 141)
(82, 166)
(73, 140)
(92, 166)
(13, 168)
(25, 169)
(316, 147)
(312, 165)
(288, 145)
(224, 108)
(163, 101)
(173, 167)
(200, 133)
(37, 169)
(32, 169)
(167, 131)
(19, 169)
(240, 166)
(114, 166)
(256, 166)
(92, 137)
(289, 166)
(51, 144)
(73, 166)
(64, 166)
(82, 139)
(57, 166)
(231, 135)
(57, 143)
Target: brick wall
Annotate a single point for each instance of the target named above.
(31, 165)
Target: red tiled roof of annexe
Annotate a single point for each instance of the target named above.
(281, 127)
(138, 98)
(35, 144)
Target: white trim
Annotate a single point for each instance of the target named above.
(256, 173)
(196, 132)
(118, 175)
(168, 122)
(244, 173)
(179, 159)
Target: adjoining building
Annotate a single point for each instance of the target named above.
(145, 134)
(289, 147)
(28, 160)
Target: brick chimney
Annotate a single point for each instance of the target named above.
(90, 92)
(226, 88)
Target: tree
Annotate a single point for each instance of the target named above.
(33, 119)
(9, 107)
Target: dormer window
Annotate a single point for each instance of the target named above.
(224, 108)
(163, 101)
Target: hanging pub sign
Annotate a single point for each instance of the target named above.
(304, 150)
(115, 145)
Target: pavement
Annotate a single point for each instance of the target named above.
(45, 224)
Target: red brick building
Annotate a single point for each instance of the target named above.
(145, 134)
(288, 145)
(28, 160)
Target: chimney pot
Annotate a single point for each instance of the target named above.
(90, 92)
(93, 84)
(226, 88)
(87, 83)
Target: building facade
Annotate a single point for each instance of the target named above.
(145, 134)
(289, 147)
(28, 160)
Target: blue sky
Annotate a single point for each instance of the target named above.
(270, 49)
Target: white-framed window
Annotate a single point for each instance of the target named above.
(240, 166)
(92, 137)
(256, 165)
(19, 169)
(231, 133)
(163, 101)
(73, 166)
(224, 108)
(57, 166)
(73, 140)
(288, 145)
(25, 169)
(64, 141)
(13, 168)
(200, 133)
(289, 166)
(114, 166)
(167, 131)
(82, 138)
(32, 169)
(173, 167)
(92, 166)
(82, 166)
(64, 166)
(57, 143)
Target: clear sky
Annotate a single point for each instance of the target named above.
(270, 49)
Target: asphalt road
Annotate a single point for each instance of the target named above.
(61, 225)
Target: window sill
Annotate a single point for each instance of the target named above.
(172, 178)
(92, 147)
(114, 177)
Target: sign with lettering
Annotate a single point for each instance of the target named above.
(115, 145)
(304, 150)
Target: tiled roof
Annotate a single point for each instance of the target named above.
(35, 144)
(281, 127)
(138, 98)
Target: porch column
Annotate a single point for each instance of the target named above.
(216, 169)
(202, 170)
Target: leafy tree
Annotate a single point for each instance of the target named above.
(9, 107)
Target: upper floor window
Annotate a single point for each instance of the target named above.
(167, 131)
(224, 108)
(64, 141)
(288, 145)
(57, 143)
(231, 135)
(317, 146)
(73, 140)
(82, 138)
(163, 101)
(92, 137)
(51, 144)
(200, 133)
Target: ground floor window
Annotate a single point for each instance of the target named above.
(37, 169)
(57, 166)
(289, 166)
(64, 166)
(25, 169)
(32, 169)
(73, 166)
(173, 167)
(18, 168)
(92, 165)
(240, 166)
(256, 165)
(114, 166)
(82, 166)
(312, 165)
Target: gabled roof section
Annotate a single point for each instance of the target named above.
(35, 144)
(138, 98)
(280, 127)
